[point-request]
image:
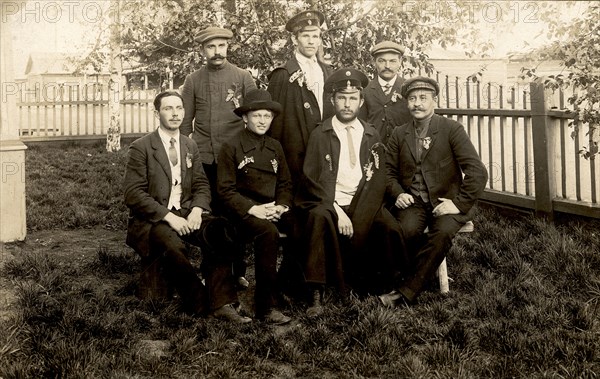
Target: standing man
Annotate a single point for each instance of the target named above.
(210, 95)
(168, 196)
(343, 196)
(384, 107)
(255, 186)
(298, 86)
(435, 176)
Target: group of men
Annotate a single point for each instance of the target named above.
(352, 171)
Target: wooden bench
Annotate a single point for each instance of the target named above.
(442, 271)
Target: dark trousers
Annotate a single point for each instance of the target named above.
(213, 238)
(334, 259)
(211, 174)
(425, 252)
(264, 236)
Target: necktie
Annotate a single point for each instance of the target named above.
(386, 89)
(173, 152)
(351, 146)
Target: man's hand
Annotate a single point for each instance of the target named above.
(262, 211)
(278, 210)
(179, 224)
(404, 200)
(194, 219)
(344, 223)
(445, 207)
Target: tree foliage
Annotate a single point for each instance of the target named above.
(576, 46)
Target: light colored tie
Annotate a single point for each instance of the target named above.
(386, 89)
(351, 146)
(173, 152)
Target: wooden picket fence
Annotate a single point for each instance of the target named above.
(68, 112)
(521, 133)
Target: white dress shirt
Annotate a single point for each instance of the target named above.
(314, 77)
(348, 177)
(176, 190)
(383, 83)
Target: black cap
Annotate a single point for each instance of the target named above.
(419, 82)
(305, 20)
(346, 80)
(258, 99)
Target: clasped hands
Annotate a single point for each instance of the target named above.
(268, 211)
(184, 226)
(445, 207)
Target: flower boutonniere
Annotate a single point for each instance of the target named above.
(329, 162)
(188, 160)
(426, 142)
(368, 170)
(395, 96)
(234, 95)
(245, 161)
(299, 76)
(275, 165)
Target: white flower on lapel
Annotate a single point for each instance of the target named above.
(188, 160)
(298, 76)
(234, 95)
(275, 165)
(368, 171)
(245, 161)
(395, 96)
(328, 159)
(426, 142)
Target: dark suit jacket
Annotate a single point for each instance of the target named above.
(385, 112)
(262, 178)
(450, 155)
(147, 185)
(300, 114)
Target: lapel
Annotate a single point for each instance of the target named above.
(160, 154)
(292, 66)
(409, 139)
(432, 133)
(364, 143)
(184, 150)
(378, 91)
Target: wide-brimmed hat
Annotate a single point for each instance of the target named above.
(213, 32)
(419, 82)
(258, 99)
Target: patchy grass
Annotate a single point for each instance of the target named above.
(525, 302)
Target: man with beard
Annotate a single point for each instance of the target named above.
(210, 95)
(384, 107)
(342, 198)
(168, 196)
(435, 177)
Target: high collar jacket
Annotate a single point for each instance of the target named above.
(301, 113)
(249, 174)
(450, 165)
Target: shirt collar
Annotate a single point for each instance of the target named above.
(304, 60)
(339, 126)
(166, 139)
(383, 82)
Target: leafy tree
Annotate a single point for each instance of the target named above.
(576, 46)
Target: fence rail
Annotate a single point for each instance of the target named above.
(528, 141)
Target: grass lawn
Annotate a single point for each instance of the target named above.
(524, 303)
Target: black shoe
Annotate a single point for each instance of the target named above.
(275, 317)
(228, 313)
(316, 307)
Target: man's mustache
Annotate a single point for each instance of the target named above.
(217, 56)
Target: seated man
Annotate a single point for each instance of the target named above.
(168, 196)
(435, 177)
(348, 233)
(255, 188)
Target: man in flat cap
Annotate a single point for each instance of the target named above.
(298, 87)
(435, 177)
(384, 106)
(348, 234)
(210, 94)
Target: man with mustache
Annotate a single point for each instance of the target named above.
(435, 177)
(168, 196)
(210, 95)
(384, 107)
(350, 238)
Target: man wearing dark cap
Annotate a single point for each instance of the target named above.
(210, 95)
(435, 177)
(255, 187)
(348, 232)
(298, 87)
(384, 106)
